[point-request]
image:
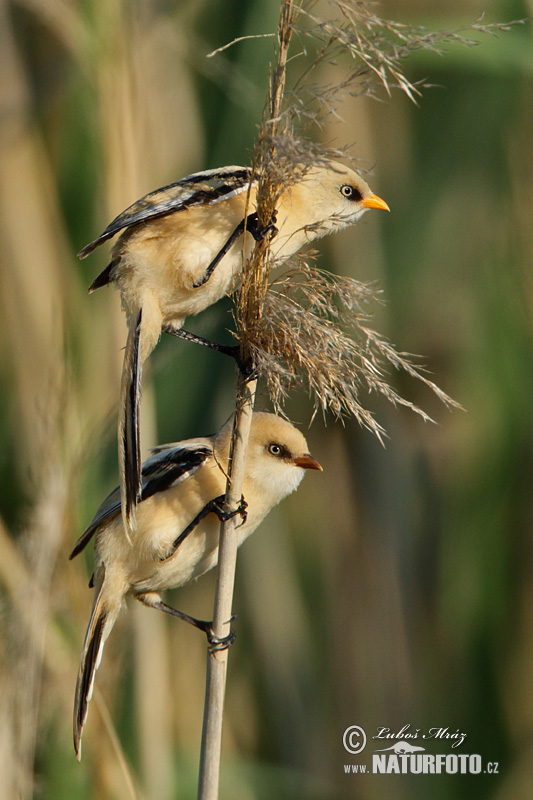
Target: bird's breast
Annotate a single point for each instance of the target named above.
(171, 255)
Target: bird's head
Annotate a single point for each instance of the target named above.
(327, 198)
(277, 456)
(340, 195)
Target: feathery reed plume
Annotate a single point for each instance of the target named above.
(308, 328)
(314, 335)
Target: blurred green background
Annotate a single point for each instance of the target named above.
(396, 587)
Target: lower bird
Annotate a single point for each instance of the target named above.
(177, 534)
(181, 249)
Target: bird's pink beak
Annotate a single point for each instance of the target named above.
(307, 462)
(373, 201)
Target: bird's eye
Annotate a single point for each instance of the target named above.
(275, 449)
(350, 192)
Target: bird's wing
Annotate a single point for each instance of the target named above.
(160, 472)
(166, 468)
(201, 188)
(188, 444)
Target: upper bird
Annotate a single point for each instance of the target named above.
(181, 250)
(177, 534)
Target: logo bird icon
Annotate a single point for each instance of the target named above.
(401, 747)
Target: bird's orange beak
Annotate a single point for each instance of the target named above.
(373, 201)
(307, 462)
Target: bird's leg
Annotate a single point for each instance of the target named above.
(232, 350)
(239, 230)
(153, 600)
(249, 224)
(216, 506)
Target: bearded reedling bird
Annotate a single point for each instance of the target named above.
(177, 533)
(180, 252)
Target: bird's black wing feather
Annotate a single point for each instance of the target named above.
(159, 472)
(206, 187)
(167, 467)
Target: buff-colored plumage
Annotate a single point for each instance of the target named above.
(161, 262)
(179, 482)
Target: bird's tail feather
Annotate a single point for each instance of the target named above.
(99, 628)
(104, 277)
(129, 428)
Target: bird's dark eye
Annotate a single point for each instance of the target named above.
(350, 192)
(275, 449)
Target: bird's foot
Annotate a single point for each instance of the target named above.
(224, 513)
(219, 643)
(216, 643)
(258, 232)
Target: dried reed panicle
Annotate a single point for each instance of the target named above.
(314, 334)
(372, 48)
(309, 328)
(274, 167)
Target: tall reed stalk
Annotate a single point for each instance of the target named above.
(251, 299)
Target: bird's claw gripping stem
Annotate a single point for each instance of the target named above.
(217, 644)
(259, 233)
(224, 514)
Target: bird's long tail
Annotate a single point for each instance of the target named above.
(99, 628)
(129, 426)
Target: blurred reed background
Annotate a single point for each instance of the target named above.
(394, 588)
